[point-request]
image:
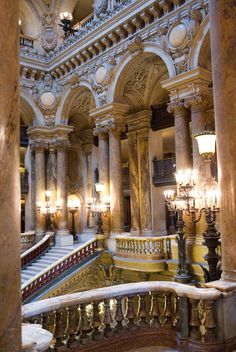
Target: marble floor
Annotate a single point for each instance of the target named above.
(152, 349)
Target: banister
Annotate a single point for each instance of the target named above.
(35, 251)
(50, 304)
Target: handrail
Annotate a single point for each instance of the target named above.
(27, 240)
(176, 311)
(35, 251)
(57, 268)
(84, 21)
(50, 304)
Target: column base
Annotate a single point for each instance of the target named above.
(147, 233)
(64, 240)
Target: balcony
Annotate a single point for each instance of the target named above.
(163, 172)
(26, 42)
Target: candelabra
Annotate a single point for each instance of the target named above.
(194, 203)
(73, 205)
(182, 275)
(99, 208)
(48, 210)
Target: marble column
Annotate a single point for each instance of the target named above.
(134, 183)
(116, 181)
(40, 172)
(88, 148)
(145, 184)
(182, 135)
(223, 48)
(63, 238)
(52, 172)
(198, 105)
(103, 167)
(10, 295)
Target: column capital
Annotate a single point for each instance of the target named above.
(38, 146)
(198, 102)
(175, 106)
(62, 145)
(139, 120)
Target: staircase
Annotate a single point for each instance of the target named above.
(51, 256)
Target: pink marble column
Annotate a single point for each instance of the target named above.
(223, 48)
(182, 135)
(116, 181)
(10, 295)
(134, 183)
(145, 185)
(198, 105)
(39, 150)
(62, 237)
(103, 167)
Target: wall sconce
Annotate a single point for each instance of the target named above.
(73, 205)
(66, 18)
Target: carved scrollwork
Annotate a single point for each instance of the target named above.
(49, 35)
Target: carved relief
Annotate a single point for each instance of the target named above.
(47, 95)
(49, 35)
(100, 7)
(83, 102)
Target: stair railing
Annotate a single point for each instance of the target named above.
(53, 271)
(36, 251)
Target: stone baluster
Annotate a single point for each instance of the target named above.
(62, 237)
(155, 310)
(39, 149)
(209, 322)
(84, 325)
(168, 309)
(96, 322)
(59, 330)
(119, 316)
(130, 315)
(194, 320)
(73, 320)
(223, 51)
(142, 310)
(107, 319)
(182, 134)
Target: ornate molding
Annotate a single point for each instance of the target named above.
(49, 34)
(176, 106)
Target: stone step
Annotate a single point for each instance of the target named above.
(34, 269)
(38, 265)
(49, 256)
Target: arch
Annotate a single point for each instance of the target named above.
(81, 96)
(30, 22)
(128, 58)
(198, 43)
(30, 113)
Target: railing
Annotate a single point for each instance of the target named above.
(35, 251)
(182, 313)
(27, 240)
(52, 272)
(26, 41)
(85, 22)
(144, 247)
(163, 172)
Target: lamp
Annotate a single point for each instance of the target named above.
(206, 143)
(73, 205)
(99, 187)
(98, 209)
(47, 209)
(66, 18)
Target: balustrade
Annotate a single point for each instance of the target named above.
(88, 317)
(27, 240)
(144, 247)
(26, 41)
(35, 251)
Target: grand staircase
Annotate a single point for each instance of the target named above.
(52, 255)
(45, 265)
